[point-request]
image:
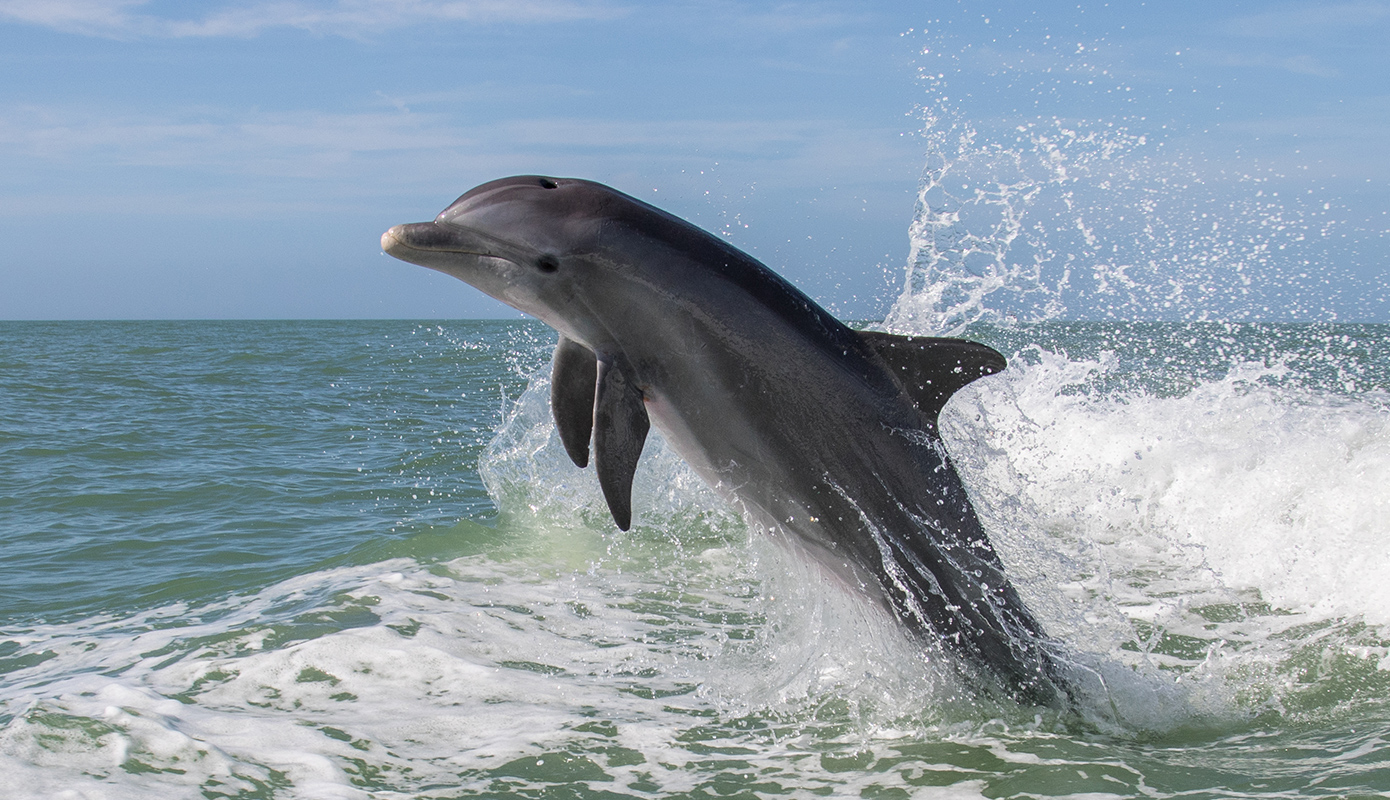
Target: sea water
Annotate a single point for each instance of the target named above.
(350, 560)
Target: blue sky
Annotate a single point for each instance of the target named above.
(240, 159)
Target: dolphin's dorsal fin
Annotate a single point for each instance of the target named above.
(573, 382)
(620, 429)
(930, 369)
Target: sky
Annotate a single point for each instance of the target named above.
(241, 159)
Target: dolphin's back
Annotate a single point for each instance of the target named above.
(825, 433)
(831, 433)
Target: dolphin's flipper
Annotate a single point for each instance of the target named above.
(792, 413)
(573, 383)
(930, 369)
(620, 429)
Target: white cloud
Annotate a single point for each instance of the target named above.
(1299, 64)
(373, 145)
(1300, 20)
(210, 138)
(130, 19)
(71, 15)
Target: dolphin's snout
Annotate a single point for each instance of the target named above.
(415, 243)
(431, 237)
(447, 248)
(391, 239)
(417, 236)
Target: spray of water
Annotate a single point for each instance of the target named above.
(1075, 219)
(1191, 503)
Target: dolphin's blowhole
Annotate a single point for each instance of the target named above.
(801, 418)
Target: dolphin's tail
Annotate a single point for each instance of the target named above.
(953, 589)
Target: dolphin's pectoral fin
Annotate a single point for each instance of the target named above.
(620, 430)
(572, 387)
(930, 369)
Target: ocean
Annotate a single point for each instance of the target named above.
(279, 559)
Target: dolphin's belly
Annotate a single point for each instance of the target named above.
(813, 430)
(827, 463)
(773, 499)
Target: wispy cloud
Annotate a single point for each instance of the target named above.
(1301, 19)
(332, 145)
(284, 144)
(134, 19)
(1299, 64)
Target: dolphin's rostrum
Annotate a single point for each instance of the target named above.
(821, 434)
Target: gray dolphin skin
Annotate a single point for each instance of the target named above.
(822, 435)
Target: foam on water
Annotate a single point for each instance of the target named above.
(477, 675)
(659, 660)
(1188, 534)
(1196, 503)
(1202, 500)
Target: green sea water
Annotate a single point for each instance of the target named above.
(350, 560)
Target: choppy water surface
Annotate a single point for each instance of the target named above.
(260, 560)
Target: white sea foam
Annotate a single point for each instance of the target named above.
(1195, 534)
(1228, 515)
(1257, 487)
(397, 679)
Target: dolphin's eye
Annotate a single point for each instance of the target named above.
(548, 263)
(547, 183)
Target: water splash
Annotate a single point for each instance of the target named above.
(1024, 216)
(1190, 499)
(1223, 534)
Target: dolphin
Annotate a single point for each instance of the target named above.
(822, 435)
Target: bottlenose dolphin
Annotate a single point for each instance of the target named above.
(821, 434)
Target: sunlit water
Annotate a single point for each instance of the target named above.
(258, 560)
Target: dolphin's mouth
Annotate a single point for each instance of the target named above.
(430, 237)
(425, 239)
